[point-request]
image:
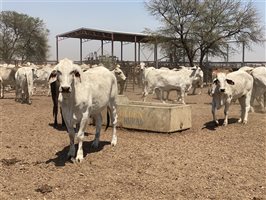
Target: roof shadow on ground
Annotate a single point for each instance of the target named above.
(212, 126)
(61, 156)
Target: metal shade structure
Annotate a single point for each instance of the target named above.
(104, 35)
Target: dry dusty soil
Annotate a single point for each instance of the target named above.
(203, 162)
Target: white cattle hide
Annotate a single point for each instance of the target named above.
(42, 78)
(7, 77)
(120, 77)
(197, 82)
(228, 87)
(85, 94)
(167, 80)
(259, 87)
(24, 84)
(143, 71)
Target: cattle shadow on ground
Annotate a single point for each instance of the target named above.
(59, 127)
(61, 156)
(212, 126)
(8, 98)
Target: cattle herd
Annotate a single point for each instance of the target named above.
(84, 91)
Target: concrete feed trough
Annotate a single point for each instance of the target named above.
(157, 117)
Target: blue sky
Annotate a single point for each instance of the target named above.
(129, 15)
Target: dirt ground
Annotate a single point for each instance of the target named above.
(203, 162)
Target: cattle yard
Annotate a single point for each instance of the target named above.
(202, 162)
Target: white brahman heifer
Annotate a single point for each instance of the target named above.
(42, 78)
(197, 82)
(259, 87)
(7, 77)
(24, 84)
(84, 95)
(228, 87)
(143, 71)
(120, 77)
(167, 80)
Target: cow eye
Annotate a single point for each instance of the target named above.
(59, 72)
(216, 81)
(118, 73)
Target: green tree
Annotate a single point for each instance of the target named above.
(22, 37)
(202, 27)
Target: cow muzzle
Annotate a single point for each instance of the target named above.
(65, 89)
(222, 90)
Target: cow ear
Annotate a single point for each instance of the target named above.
(52, 77)
(230, 82)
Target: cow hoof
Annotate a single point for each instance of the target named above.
(114, 141)
(79, 160)
(216, 123)
(251, 109)
(71, 155)
(245, 122)
(240, 121)
(224, 124)
(71, 159)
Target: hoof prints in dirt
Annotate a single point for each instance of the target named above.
(44, 189)
(8, 162)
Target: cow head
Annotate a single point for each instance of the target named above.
(220, 82)
(120, 76)
(67, 74)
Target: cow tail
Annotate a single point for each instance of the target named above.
(108, 119)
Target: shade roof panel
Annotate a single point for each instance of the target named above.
(97, 34)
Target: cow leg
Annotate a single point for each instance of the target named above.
(246, 108)
(114, 123)
(71, 133)
(213, 113)
(22, 97)
(252, 99)
(264, 102)
(242, 106)
(160, 95)
(72, 150)
(55, 112)
(17, 92)
(260, 101)
(226, 109)
(98, 119)
(63, 121)
(178, 95)
(182, 94)
(49, 90)
(145, 93)
(1, 90)
(194, 90)
(28, 99)
(80, 137)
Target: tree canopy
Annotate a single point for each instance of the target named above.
(22, 37)
(201, 27)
